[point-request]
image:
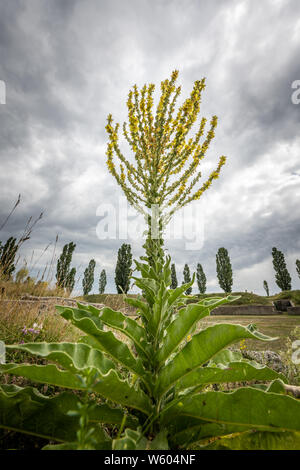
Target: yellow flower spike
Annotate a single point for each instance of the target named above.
(161, 146)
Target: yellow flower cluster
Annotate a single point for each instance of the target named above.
(161, 146)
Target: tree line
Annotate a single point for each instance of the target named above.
(65, 273)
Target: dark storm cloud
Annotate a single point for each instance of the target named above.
(67, 64)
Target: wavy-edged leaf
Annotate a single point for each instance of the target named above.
(234, 372)
(128, 327)
(245, 407)
(71, 356)
(106, 340)
(119, 391)
(109, 385)
(48, 374)
(201, 349)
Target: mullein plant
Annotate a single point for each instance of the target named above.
(152, 388)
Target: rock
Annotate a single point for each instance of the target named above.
(268, 358)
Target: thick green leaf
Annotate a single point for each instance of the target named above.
(127, 326)
(28, 411)
(160, 308)
(185, 430)
(106, 340)
(201, 349)
(234, 372)
(149, 288)
(72, 356)
(139, 304)
(245, 407)
(123, 323)
(109, 385)
(48, 374)
(186, 318)
(175, 294)
(119, 391)
(226, 356)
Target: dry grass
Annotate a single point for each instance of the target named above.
(16, 314)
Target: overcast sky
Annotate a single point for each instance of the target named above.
(67, 64)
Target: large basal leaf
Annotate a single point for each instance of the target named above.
(48, 374)
(107, 341)
(245, 407)
(200, 350)
(72, 356)
(28, 411)
(109, 385)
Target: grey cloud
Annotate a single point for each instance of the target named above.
(67, 64)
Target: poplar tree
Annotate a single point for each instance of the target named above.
(298, 267)
(224, 270)
(123, 269)
(102, 282)
(65, 276)
(201, 279)
(266, 287)
(88, 278)
(70, 280)
(174, 282)
(187, 278)
(163, 176)
(282, 276)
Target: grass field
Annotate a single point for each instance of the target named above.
(275, 326)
